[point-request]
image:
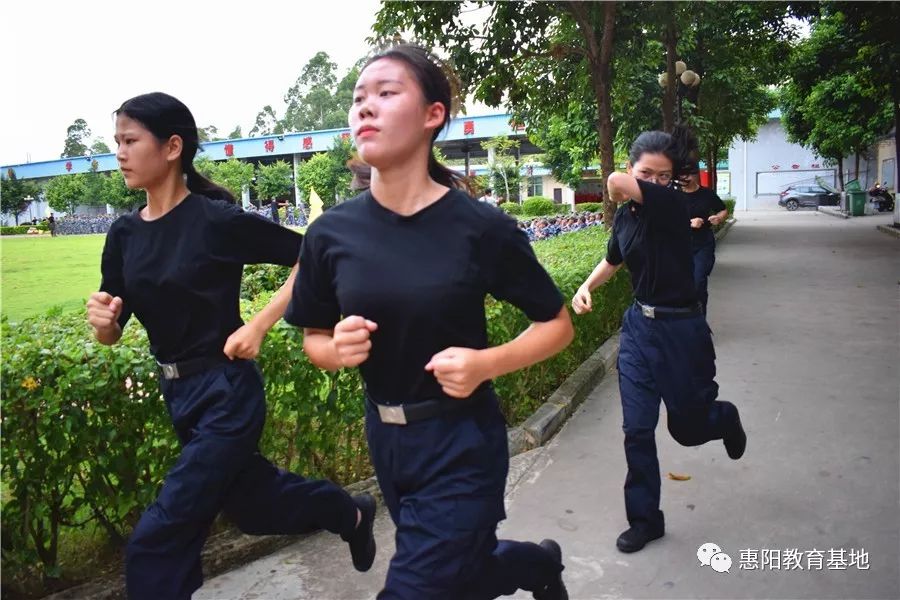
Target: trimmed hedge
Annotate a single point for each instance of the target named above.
(87, 439)
(729, 204)
(511, 208)
(538, 206)
(15, 230)
(589, 207)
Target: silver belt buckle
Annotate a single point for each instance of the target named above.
(170, 371)
(392, 414)
(648, 311)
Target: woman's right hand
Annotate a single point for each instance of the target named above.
(103, 311)
(581, 301)
(696, 223)
(351, 340)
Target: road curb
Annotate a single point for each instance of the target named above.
(890, 230)
(833, 212)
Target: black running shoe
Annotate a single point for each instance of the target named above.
(557, 589)
(362, 544)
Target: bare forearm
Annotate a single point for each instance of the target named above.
(722, 214)
(266, 318)
(539, 342)
(318, 344)
(602, 273)
(108, 335)
(623, 187)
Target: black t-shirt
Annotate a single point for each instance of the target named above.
(654, 240)
(702, 203)
(422, 278)
(180, 275)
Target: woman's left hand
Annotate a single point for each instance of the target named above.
(244, 343)
(458, 370)
(715, 219)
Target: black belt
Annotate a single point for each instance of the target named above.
(403, 414)
(667, 312)
(186, 368)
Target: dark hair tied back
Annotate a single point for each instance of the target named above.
(164, 116)
(681, 147)
(439, 83)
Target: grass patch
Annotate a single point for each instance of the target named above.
(39, 273)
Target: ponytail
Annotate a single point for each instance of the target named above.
(681, 147)
(447, 177)
(198, 184)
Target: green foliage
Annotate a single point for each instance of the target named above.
(503, 172)
(267, 123)
(273, 180)
(537, 206)
(262, 279)
(729, 204)
(99, 147)
(589, 207)
(118, 195)
(231, 174)
(13, 192)
(93, 440)
(327, 173)
(65, 192)
(77, 136)
(840, 98)
(511, 208)
(17, 230)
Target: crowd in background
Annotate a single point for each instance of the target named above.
(541, 228)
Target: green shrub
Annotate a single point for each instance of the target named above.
(729, 204)
(87, 439)
(259, 279)
(511, 208)
(15, 230)
(538, 206)
(589, 207)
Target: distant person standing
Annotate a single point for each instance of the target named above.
(51, 221)
(273, 206)
(488, 197)
(706, 210)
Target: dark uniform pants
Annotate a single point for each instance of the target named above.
(672, 359)
(704, 260)
(218, 416)
(443, 481)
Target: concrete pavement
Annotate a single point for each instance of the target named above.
(805, 313)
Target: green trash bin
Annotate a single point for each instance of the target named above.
(853, 185)
(857, 201)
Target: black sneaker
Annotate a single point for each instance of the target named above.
(736, 441)
(557, 589)
(362, 544)
(637, 536)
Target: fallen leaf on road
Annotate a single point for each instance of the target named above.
(679, 477)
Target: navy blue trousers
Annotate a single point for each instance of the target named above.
(218, 416)
(673, 360)
(704, 260)
(443, 481)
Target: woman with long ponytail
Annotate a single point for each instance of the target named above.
(176, 265)
(665, 348)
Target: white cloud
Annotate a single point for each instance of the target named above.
(64, 61)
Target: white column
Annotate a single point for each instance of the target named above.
(297, 162)
(245, 196)
(746, 199)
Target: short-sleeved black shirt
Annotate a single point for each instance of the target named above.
(180, 275)
(702, 203)
(654, 240)
(422, 278)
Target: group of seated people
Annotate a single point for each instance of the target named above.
(541, 228)
(78, 224)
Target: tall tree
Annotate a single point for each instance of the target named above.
(77, 136)
(210, 133)
(236, 133)
(833, 102)
(118, 195)
(273, 180)
(13, 194)
(327, 173)
(99, 147)
(267, 123)
(65, 193)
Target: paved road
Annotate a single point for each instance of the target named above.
(805, 313)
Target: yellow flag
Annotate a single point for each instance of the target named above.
(315, 205)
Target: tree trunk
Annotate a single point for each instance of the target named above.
(668, 101)
(840, 162)
(599, 52)
(711, 166)
(857, 166)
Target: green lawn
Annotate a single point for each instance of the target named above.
(37, 273)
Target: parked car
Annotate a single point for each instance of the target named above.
(795, 196)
